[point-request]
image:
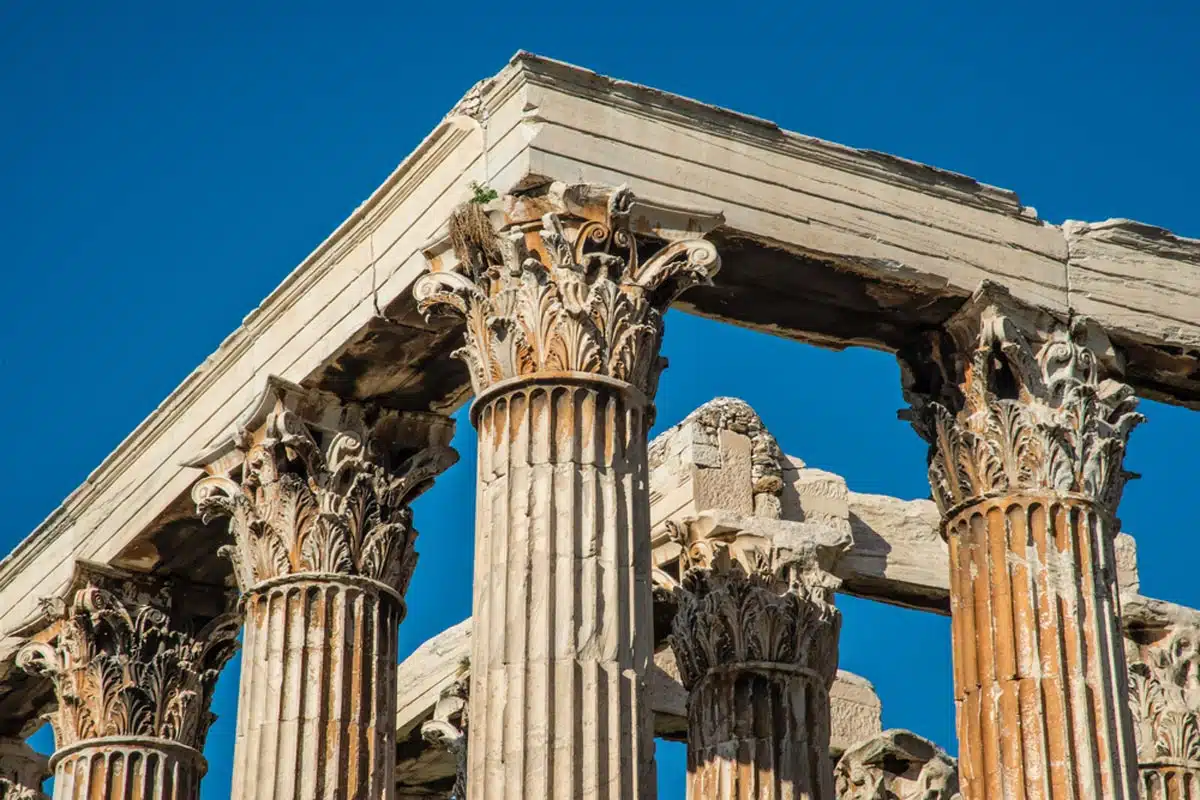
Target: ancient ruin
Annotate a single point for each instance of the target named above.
(522, 259)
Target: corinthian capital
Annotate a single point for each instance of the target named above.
(1013, 400)
(557, 282)
(312, 485)
(131, 655)
(1164, 693)
(747, 601)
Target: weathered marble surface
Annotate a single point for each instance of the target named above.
(896, 765)
(823, 243)
(438, 664)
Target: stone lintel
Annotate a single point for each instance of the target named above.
(823, 243)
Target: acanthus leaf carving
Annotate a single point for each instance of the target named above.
(124, 662)
(563, 294)
(305, 499)
(742, 601)
(1164, 694)
(1020, 406)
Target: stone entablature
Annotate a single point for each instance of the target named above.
(562, 287)
(830, 245)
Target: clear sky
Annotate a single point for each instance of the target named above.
(167, 164)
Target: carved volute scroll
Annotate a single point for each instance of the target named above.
(742, 600)
(131, 656)
(562, 286)
(561, 291)
(317, 495)
(896, 765)
(314, 486)
(1013, 401)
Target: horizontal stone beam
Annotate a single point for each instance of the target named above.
(821, 243)
(838, 246)
(708, 466)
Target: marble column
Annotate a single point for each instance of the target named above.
(133, 660)
(316, 492)
(1028, 424)
(1164, 695)
(563, 329)
(22, 770)
(755, 638)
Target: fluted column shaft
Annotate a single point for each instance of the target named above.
(759, 731)
(1039, 663)
(128, 768)
(755, 637)
(562, 595)
(1170, 779)
(562, 319)
(317, 702)
(316, 492)
(1028, 422)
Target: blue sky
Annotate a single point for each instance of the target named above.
(167, 164)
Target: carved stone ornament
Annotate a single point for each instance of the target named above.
(22, 771)
(131, 656)
(743, 601)
(735, 415)
(896, 765)
(1015, 401)
(448, 728)
(1164, 693)
(314, 486)
(564, 291)
(13, 791)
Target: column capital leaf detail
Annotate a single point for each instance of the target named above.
(311, 485)
(743, 601)
(556, 282)
(1013, 400)
(131, 655)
